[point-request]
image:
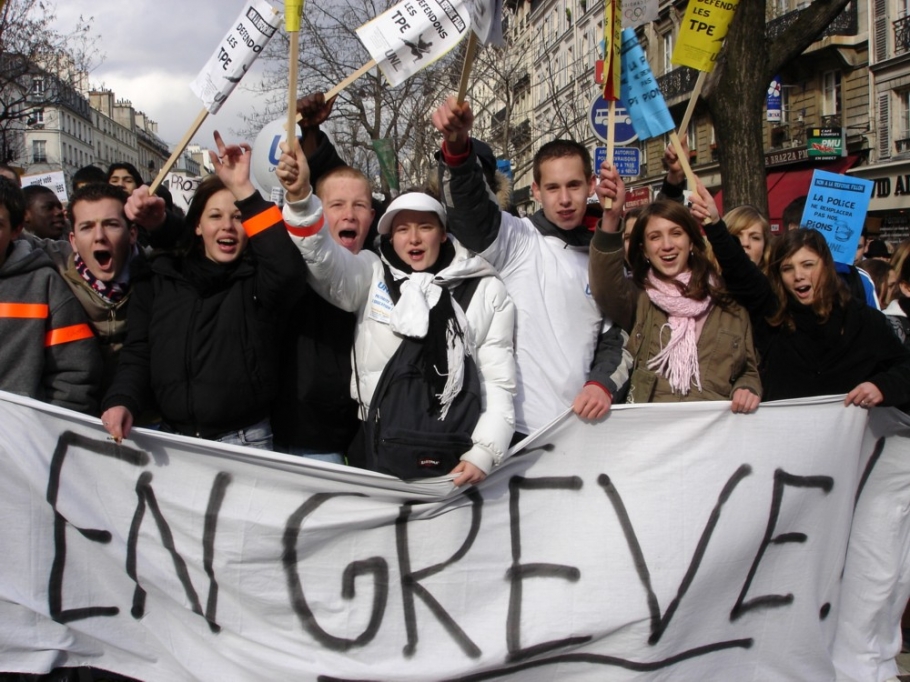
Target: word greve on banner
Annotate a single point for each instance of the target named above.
(679, 540)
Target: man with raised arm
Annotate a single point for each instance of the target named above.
(567, 354)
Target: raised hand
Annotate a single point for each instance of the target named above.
(232, 165)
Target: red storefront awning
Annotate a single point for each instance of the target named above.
(786, 185)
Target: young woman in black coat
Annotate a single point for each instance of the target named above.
(204, 326)
(812, 337)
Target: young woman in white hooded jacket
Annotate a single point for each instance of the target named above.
(425, 265)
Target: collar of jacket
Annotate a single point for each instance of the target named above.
(577, 237)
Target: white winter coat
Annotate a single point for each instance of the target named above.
(355, 283)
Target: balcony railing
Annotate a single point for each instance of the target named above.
(902, 35)
(845, 24)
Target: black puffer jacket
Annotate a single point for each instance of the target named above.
(203, 339)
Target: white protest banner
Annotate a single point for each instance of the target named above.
(681, 541)
(413, 34)
(182, 188)
(236, 52)
(55, 180)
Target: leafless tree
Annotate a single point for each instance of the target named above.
(39, 66)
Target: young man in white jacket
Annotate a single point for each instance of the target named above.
(567, 354)
(425, 265)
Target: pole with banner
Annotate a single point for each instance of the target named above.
(293, 11)
(701, 37)
(612, 72)
(236, 52)
(645, 102)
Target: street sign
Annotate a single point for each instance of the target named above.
(623, 133)
(626, 159)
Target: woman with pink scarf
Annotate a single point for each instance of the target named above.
(689, 339)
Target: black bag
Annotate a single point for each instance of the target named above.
(403, 434)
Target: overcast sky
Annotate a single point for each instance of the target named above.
(153, 49)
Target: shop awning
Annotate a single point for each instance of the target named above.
(786, 185)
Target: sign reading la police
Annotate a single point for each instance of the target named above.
(623, 132)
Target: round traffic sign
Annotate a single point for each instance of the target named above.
(623, 132)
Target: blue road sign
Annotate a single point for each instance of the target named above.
(623, 132)
(626, 159)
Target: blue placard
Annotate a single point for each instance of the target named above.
(640, 93)
(626, 159)
(623, 131)
(836, 207)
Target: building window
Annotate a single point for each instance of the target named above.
(831, 96)
(39, 151)
(37, 86)
(904, 122)
(667, 40)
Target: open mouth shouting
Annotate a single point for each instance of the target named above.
(347, 238)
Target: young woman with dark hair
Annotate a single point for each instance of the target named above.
(689, 340)
(812, 337)
(204, 324)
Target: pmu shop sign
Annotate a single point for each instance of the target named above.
(826, 143)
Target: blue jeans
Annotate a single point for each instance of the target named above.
(259, 435)
(331, 457)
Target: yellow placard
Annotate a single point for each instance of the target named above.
(702, 33)
(613, 42)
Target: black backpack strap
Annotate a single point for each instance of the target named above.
(464, 292)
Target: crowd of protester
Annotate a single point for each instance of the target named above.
(317, 330)
(424, 337)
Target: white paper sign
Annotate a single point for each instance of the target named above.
(182, 188)
(55, 180)
(413, 34)
(673, 542)
(235, 54)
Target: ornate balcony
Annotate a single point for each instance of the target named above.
(845, 24)
(902, 35)
(678, 82)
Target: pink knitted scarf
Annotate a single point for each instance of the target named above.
(678, 360)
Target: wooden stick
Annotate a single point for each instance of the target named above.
(293, 57)
(693, 99)
(684, 162)
(611, 144)
(470, 51)
(350, 79)
(178, 150)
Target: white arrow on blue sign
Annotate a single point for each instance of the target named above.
(623, 132)
(626, 159)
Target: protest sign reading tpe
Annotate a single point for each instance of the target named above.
(235, 53)
(486, 20)
(413, 34)
(55, 180)
(837, 208)
(702, 33)
(640, 93)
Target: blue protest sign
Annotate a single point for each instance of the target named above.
(639, 93)
(623, 130)
(626, 159)
(836, 207)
